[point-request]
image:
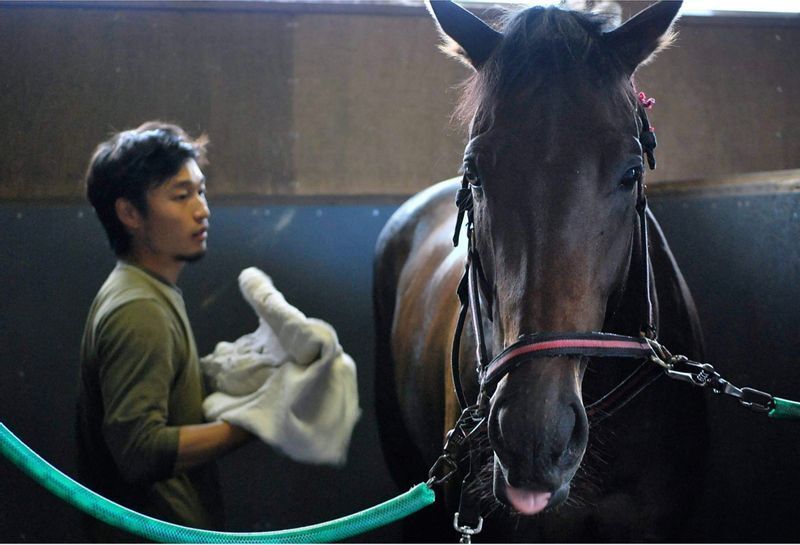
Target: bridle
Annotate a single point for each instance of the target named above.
(549, 344)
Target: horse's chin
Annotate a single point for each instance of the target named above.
(526, 501)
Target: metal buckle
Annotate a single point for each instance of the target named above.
(682, 368)
(660, 355)
(756, 400)
(469, 423)
(446, 462)
(698, 374)
(703, 374)
(467, 531)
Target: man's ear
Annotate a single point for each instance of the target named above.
(127, 213)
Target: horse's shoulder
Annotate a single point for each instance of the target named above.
(437, 197)
(423, 211)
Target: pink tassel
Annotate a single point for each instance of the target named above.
(646, 102)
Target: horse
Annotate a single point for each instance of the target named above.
(552, 182)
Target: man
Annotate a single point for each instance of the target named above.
(142, 439)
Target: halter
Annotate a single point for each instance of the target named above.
(550, 344)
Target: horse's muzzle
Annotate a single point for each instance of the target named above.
(526, 500)
(538, 431)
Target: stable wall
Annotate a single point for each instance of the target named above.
(322, 99)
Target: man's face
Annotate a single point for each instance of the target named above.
(175, 227)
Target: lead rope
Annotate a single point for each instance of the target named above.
(153, 529)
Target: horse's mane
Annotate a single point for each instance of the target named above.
(538, 42)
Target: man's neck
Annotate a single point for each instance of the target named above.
(168, 269)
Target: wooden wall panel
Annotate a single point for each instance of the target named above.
(308, 100)
(726, 99)
(372, 105)
(73, 75)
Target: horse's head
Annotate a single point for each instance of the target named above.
(554, 163)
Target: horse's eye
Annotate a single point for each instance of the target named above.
(632, 176)
(471, 174)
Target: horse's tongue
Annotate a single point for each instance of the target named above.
(527, 502)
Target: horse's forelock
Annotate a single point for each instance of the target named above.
(537, 41)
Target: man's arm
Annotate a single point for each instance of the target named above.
(202, 443)
(136, 377)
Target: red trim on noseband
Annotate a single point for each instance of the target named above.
(576, 343)
(568, 343)
(575, 346)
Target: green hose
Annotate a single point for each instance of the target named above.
(785, 409)
(156, 530)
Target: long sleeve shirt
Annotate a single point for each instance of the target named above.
(140, 381)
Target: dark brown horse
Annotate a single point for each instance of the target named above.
(554, 169)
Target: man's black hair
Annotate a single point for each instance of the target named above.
(129, 164)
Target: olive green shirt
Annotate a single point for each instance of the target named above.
(140, 380)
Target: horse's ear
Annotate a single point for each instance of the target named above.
(644, 34)
(467, 38)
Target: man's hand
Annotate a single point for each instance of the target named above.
(201, 443)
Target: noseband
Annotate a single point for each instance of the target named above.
(549, 344)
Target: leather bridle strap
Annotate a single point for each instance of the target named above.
(455, 368)
(625, 391)
(593, 345)
(548, 345)
(648, 325)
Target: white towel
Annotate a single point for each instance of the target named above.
(289, 382)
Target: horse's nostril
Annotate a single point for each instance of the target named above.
(578, 436)
(566, 430)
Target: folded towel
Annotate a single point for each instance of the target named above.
(289, 382)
